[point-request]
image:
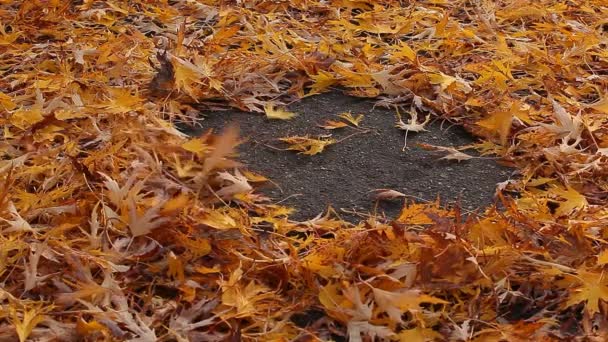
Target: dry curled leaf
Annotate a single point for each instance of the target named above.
(387, 194)
(307, 145)
(453, 153)
(277, 113)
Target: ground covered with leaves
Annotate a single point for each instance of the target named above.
(114, 225)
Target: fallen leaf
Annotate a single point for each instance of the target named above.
(306, 145)
(355, 121)
(387, 194)
(277, 113)
(331, 124)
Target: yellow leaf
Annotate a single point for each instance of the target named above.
(207, 270)
(27, 319)
(306, 145)
(176, 267)
(574, 200)
(499, 124)
(242, 298)
(355, 121)
(602, 258)
(442, 79)
(277, 113)
(196, 145)
(405, 51)
(416, 213)
(85, 328)
(219, 219)
(175, 204)
(601, 106)
(397, 303)
(26, 118)
(334, 302)
(122, 101)
(199, 247)
(186, 76)
(331, 124)
(329, 296)
(502, 45)
(594, 288)
(419, 335)
(322, 262)
(322, 80)
(6, 102)
(67, 114)
(253, 177)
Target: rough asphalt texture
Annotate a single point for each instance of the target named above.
(344, 174)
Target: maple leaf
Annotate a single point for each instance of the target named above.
(411, 125)
(306, 145)
(601, 106)
(122, 101)
(186, 75)
(322, 80)
(383, 78)
(119, 194)
(500, 123)
(6, 102)
(219, 219)
(593, 289)
(176, 267)
(143, 224)
(418, 213)
(25, 118)
(27, 317)
(242, 298)
(277, 113)
(355, 121)
(404, 50)
(573, 200)
(239, 184)
(568, 127)
(197, 146)
(397, 302)
(360, 315)
(72, 113)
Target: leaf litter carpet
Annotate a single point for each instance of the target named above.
(114, 225)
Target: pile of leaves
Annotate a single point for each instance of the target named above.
(114, 225)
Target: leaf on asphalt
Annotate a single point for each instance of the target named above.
(387, 194)
(331, 124)
(453, 153)
(277, 113)
(306, 145)
(353, 120)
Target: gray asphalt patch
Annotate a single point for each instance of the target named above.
(344, 174)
